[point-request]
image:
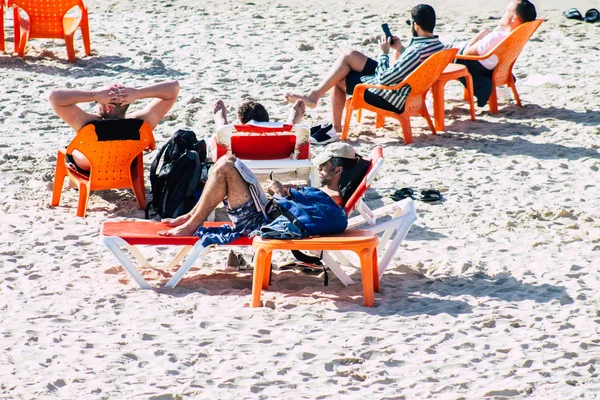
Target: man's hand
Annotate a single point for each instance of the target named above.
(397, 45)
(107, 95)
(385, 45)
(277, 188)
(127, 95)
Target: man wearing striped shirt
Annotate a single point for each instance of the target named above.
(354, 67)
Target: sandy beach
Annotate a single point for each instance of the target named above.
(494, 293)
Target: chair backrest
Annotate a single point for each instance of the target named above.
(263, 142)
(111, 158)
(376, 158)
(46, 16)
(509, 49)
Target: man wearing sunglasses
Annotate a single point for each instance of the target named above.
(353, 68)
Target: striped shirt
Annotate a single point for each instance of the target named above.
(417, 51)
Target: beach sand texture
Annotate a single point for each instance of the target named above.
(493, 294)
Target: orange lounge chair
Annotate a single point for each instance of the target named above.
(127, 235)
(507, 52)
(49, 19)
(115, 163)
(420, 80)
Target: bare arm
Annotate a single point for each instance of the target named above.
(163, 95)
(65, 102)
(471, 47)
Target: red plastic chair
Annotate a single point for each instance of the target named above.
(2, 47)
(49, 19)
(420, 80)
(507, 52)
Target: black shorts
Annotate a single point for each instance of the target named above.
(353, 79)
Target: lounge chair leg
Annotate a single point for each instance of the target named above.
(438, 104)
(197, 250)
(428, 119)
(469, 94)
(137, 181)
(259, 271)
(406, 130)
(513, 88)
(346, 127)
(366, 267)
(493, 102)
(59, 178)
(84, 195)
(375, 272)
(85, 33)
(267, 271)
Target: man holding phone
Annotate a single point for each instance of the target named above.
(353, 67)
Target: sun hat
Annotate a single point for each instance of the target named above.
(338, 149)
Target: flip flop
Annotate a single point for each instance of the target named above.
(573, 13)
(592, 15)
(430, 195)
(402, 194)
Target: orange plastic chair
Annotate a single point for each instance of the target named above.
(507, 52)
(451, 72)
(363, 243)
(48, 19)
(420, 80)
(115, 164)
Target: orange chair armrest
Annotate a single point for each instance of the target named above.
(470, 57)
(359, 90)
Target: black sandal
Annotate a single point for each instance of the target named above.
(430, 195)
(402, 194)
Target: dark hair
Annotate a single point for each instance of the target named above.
(525, 11)
(424, 15)
(121, 109)
(345, 163)
(251, 110)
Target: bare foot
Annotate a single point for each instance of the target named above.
(310, 100)
(296, 112)
(220, 113)
(182, 219)
(182, 230)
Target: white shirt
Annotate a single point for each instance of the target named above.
(486, 44)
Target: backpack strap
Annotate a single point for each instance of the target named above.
(300, 256)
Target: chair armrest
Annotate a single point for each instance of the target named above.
(469, 57)
(362, 87)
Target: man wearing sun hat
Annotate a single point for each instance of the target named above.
(231, 182)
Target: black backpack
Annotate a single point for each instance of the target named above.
(177, 175)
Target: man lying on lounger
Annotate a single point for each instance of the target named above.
(251, 111)
(113, 103)
(231, 182)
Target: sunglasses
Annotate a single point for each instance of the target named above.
(409, 22)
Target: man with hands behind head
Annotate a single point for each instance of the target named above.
(353, 67)
(113, 102)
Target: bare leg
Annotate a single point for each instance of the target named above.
(224, 181)
(220, 114)
(351, 60)
(296, 112)
(337, 96)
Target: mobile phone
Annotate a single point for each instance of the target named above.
(271, 175)
(388, 34)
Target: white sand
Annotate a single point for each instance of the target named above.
(494, 293)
